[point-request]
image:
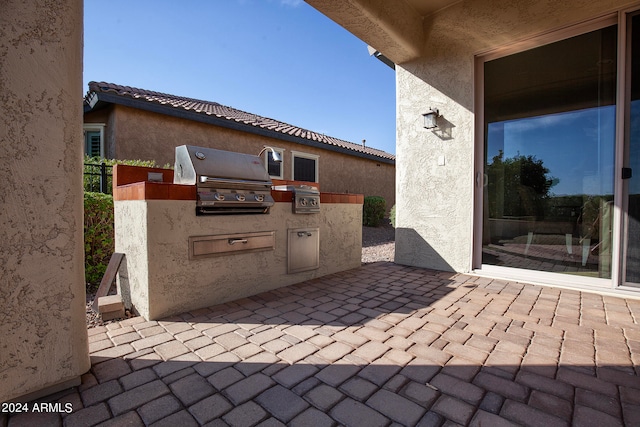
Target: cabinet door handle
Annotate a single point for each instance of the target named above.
(304, 233)
(234, 241)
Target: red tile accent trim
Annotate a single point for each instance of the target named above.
(130, 183)
(125, 174)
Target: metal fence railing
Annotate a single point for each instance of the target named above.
(98, 177)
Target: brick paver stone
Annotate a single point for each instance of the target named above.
(87, 416)
(171, 349)
(110, 369)
(420, 393)
(210, 408)
(159, 408)
(224, 378)
(334, 351)
(503, 387)
(551, 404)
(337, 373)
(137, 397)
(371, 350)
(380, 371)
(297, 352)
(282, 403)
(182, 419)
(482, 418)
(100, 393)
(191, 389)
(527, 415)
(324, 397)
(152, 341)
(129, 419)
(396, 407)
(247, 414)
(292, 375)
(137, 378)
(352, 413)
(453, 409)
(312, 417)
(248, 388)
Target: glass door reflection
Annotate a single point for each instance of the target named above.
(549, 156)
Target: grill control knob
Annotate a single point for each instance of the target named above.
(219, 197)
(259, 197)
(303, 202)
(240, 197)
(314, 202)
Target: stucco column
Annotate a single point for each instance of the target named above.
(43, 337)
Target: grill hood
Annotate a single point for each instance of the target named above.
(226, 182)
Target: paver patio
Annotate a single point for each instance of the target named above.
(376, 346)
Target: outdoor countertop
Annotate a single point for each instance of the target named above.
(130, 183)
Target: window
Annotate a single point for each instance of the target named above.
(549, 144)
(93, 140)
(274, 168)
(305, 167)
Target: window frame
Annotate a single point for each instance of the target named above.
(265, 159)
(94, 127)
(302, 155)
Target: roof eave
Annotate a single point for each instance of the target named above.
(103, 97)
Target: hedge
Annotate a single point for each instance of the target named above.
(98, 237)
(373, 210)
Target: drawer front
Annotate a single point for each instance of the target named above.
(228, 244)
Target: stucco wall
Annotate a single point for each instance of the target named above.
(160, 280)
(435, 203)
(43, 334)
(150, 136)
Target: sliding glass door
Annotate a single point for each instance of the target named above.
(549, 144)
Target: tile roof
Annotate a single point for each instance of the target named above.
(214, 109)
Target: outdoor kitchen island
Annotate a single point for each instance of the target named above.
(177, 261)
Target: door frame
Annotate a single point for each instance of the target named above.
(619, 18)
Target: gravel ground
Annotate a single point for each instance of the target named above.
(377, 245)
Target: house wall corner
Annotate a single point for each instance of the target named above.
(44, 343)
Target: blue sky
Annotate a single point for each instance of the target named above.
(277, 58)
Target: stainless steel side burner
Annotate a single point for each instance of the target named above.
(306, 198)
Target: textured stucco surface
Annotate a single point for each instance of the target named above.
(137, 134)
(42, 322)
(163, 281)
(435, 230)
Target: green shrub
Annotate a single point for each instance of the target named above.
(392, 216)
(373, 210)
(98, 237)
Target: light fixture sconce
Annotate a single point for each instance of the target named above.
(431, 118)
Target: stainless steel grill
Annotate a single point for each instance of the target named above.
(226, 182)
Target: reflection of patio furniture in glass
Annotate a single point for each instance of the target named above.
(588, 224)
(594, 222)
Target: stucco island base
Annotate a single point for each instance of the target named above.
(158, 279)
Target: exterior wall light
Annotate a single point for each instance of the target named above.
(431, 118)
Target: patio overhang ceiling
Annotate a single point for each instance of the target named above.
(394, 28)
